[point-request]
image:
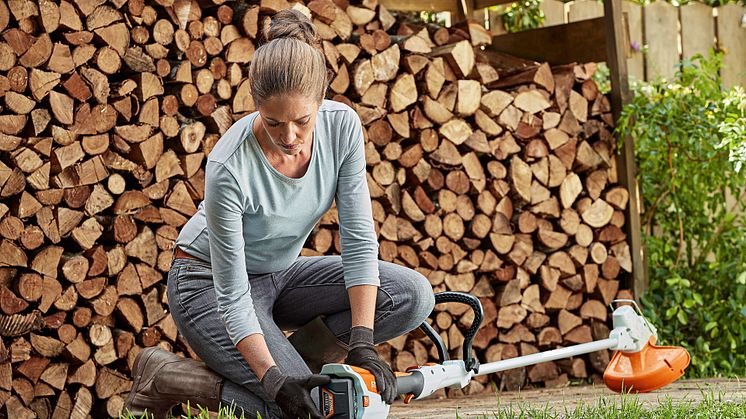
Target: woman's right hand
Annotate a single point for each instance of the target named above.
(292, 394)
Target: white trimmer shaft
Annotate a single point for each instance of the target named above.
(630, 334)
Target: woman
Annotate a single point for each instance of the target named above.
(237, 282)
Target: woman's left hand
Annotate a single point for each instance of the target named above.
(363, 354)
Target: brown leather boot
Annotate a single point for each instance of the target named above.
(318, 345)
(162, 379)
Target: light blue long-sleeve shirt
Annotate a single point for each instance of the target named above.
(255, 219)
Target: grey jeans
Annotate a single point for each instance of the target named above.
(287, 300)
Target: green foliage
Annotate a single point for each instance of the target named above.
(432, 17)
(523, 15)
(690, 144)
(602, 78)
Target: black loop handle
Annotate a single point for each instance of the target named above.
(473, 302)
(435, 337)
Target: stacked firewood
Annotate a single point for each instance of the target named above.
(505, 188)
(502, 185)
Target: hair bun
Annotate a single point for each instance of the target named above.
(293, 24)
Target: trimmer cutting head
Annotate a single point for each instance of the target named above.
(638, 365)
(650, 369)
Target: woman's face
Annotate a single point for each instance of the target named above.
(288, 121)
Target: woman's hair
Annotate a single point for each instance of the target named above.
(290, 61)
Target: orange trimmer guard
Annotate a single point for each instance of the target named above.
(650, 369)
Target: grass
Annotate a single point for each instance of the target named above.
(626, 406)
(227, 412)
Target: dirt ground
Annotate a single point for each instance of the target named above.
(559, 398)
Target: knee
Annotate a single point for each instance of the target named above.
(420, 299)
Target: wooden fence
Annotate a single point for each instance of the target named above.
(670, 33)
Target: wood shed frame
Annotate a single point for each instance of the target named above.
(602, 39)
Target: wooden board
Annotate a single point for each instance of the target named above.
(661, 35)
(732, 39)
(419, 6)
(583, 41)
(478, 4)
(635, 59)
(554, 12)
(697, 29)
(585, 9)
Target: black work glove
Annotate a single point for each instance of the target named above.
(362, 353)
(292, 394)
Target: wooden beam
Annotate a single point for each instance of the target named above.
(506, 63)
(462, 11)
(626, 167)
(481, 4)
(421, 6)
(583, 41)
(466, 7)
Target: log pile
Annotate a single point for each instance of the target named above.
(505, 188)
(498, 184)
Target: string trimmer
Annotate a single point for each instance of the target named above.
(638, 365)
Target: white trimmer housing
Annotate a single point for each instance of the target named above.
(631, 330)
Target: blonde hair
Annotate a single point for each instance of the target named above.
(290, 62)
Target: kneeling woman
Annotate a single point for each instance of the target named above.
(237, 282)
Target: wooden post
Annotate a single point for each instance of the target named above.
(627, 168)
(464, 9)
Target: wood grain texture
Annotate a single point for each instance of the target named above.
(697, 29)
(732, 40)
(661, 36)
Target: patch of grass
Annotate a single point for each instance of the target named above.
(627, 406)
(226, 412)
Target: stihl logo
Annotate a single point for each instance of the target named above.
(327, 403)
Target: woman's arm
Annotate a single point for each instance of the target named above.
(363, 304)
(224, 213)
(357, 232)
(256, 353)
(360, 258)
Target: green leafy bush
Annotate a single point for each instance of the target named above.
(690, 145)
(523, 15)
